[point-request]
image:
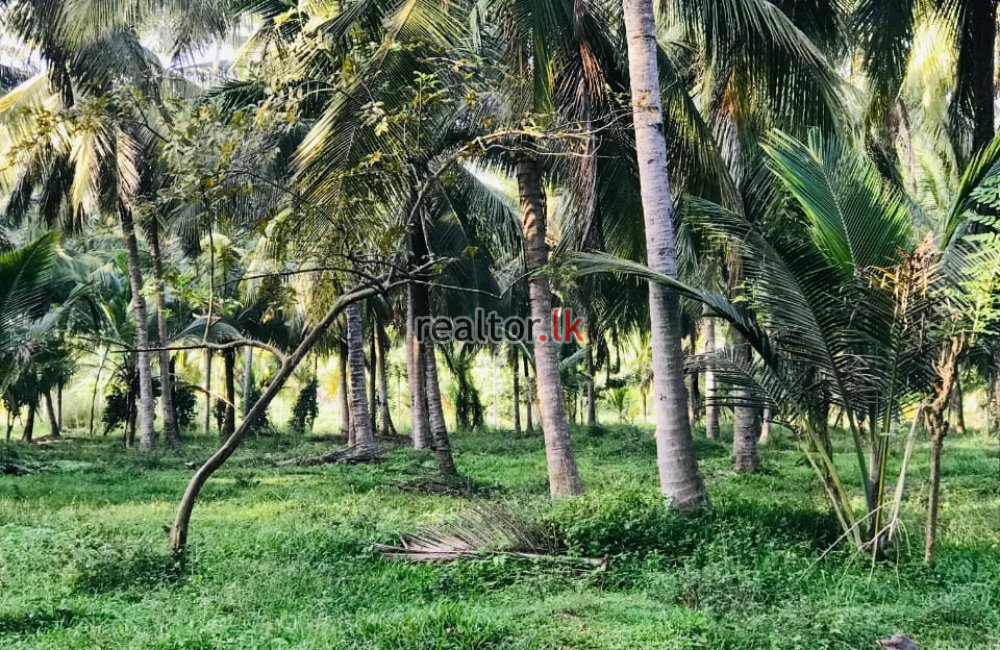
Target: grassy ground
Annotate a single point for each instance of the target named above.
(283, 559)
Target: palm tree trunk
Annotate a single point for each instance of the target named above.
(765, 426)
(529, 400)
(229, 418)
(170, 433)
(983, 28)
(344, 394)
(564, 478)
(435, 413)
(208, 391)
(591, 391)
(59, 406)
(247, 378)
(386, 427)
(97, 386)
(146, 401)
(53, 420)
(361, 438)
(29, 424)
(372, 380)
(711, 410)
(419, 426)
(680, 479)
(745, 420)
(937, 425)
(517, 391)
(694, 395)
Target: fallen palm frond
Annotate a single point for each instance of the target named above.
(483, 533)
(354, 454)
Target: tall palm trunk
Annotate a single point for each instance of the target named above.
(59, 406)
(170, 432)
(694, 395)
(711, 410)
(420, 426)
(591, 390)
(937, 426)
(745, 419)
(344, 394)
(680, 479)
(208, 391)
(97, 386)
(386, 427)
(517, 390)
(229, 416)
(529, 399)
(361, 438)
(53, 419)
(982, 30)
(29, 424)
(435, 413)
(146, 401)
(564, 478)
(247, 378)
(372, 380)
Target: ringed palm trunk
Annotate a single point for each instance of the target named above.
(745, 419)
(146, 406)
(694, 397)
(229, 416)
(680, 479)
(591, 391)
(344, 394)
(529, 399)
(419, 424)
(564, 478)
(29, 424)
(208, 391)
(435, 413)
(361, 432)
(711, 410)
(247, 379)
(983, 28)
(53, 418)
(517, 391)
(386, 427)
(372, 381)
(170, 431)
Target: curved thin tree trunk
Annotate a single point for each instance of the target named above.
(170, 432)
(564, 478)
(146, 401)
(435, 413)
(711, 409)
(680, 479)
(53, 419)
(386, 427)
(361, 437)
(229, 417)
(179, 531)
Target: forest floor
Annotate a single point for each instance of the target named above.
(283, 558)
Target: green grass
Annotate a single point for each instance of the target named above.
(283, 559)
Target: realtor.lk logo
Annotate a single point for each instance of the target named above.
(489, 327)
